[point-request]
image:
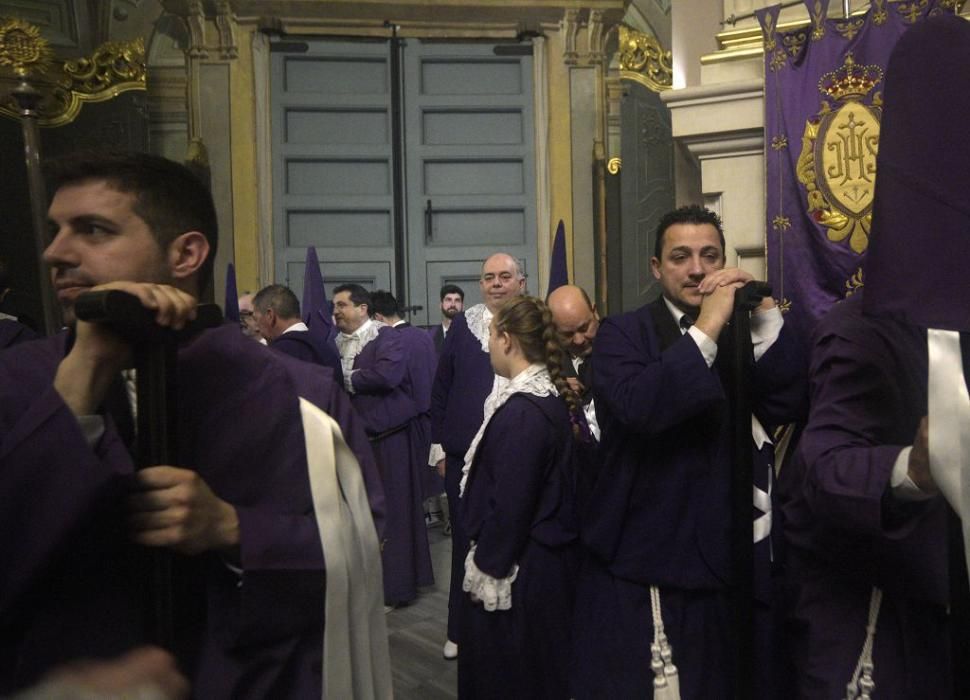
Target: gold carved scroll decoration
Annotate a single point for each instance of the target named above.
(644, 60)
(113, 68)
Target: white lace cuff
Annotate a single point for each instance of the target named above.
(437, 454)
(494, 593)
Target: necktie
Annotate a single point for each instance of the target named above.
(585, 375)
(686, 322)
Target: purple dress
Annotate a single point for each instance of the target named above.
(846, 531)
(72, 585)
(659, 512)
(519, 509)
(385, 398)
(462, 382)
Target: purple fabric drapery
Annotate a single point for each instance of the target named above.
(558, 270)
(316, 310)
(823, 97)
(231, 309)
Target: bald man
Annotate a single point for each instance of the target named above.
(463, 380)
(576, 322)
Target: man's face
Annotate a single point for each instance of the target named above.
(500, 281)
(265, 323)
(96, 237)
(577, 326)
(452, 305)
(690, 253)
(346, 315)
(247, 318)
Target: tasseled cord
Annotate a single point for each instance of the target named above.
(666, 683)
(862, 685)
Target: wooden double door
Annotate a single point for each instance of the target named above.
(405, 163)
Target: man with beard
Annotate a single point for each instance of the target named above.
(452, 304)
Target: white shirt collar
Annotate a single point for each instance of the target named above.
(676, 313)
(296, 327)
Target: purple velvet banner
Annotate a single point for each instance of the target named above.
(823, 97)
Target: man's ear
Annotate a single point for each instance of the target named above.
(655, 266)
(187, 254)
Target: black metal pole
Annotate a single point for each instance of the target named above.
(28, 99)
(742, 479)
(156, 356)
(397, 164)
(158, 444)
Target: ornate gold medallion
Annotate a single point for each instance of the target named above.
(837, 164)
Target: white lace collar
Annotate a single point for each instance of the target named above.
(534, 380)
(479, 318)
(360, 337)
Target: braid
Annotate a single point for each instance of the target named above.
(554, 361)
(530, 321)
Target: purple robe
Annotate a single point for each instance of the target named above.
(659, 511)
(422, 362)
(387, 402)
(71, 584)
(12, 332)
(462, 381)
(518, 507)
(846, 531)
(306, 346)
(437, 334)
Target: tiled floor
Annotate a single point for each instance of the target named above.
(417, 633)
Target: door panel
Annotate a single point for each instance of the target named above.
(470, 165)
(469, 175)
(647, 189)
(332, 163)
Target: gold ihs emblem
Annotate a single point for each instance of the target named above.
(837, 164)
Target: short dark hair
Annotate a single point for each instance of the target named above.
(358, 295)
(168, 196)
(280, 299)
(452, 289)
(384, 303)
(690, 214)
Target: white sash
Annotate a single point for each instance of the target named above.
(356, 661)
(949, 425)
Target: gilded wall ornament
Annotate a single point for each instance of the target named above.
(22, 47)
(113, 68)
(644, 60)
(837, 164)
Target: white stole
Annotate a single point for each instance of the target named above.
(356, 660)
(949, 425)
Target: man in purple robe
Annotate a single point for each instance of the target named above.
(658, 518)
(422, 361)
(463, 379)
(877, 573)
(276, 312)
(377, 374)
(75, 516)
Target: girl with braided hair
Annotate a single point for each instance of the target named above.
(518, 508)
